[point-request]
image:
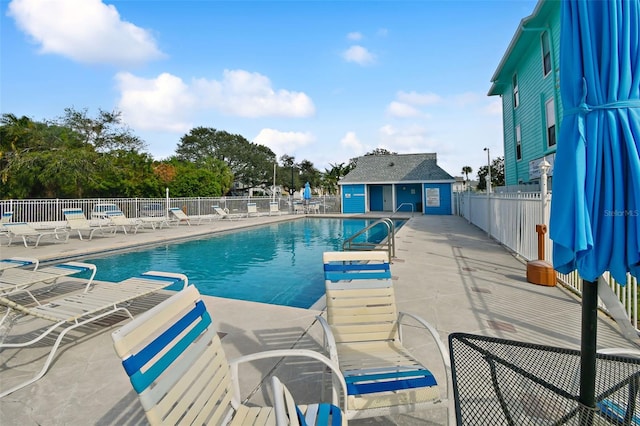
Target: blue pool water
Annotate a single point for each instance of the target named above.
(279, 263)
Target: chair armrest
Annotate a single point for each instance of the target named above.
(329, 341)
(442, 349)
(281, 353)
(286, 409)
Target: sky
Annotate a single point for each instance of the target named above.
(323, 81)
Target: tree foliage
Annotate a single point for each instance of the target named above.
(497, 174)
(250, 163)
(78, 155)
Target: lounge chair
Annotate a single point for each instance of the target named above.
(274, 208)
(18, 262)
(77, 221)
(183, 217)
(119, 220)
(94, 303)
(363, 334)
(27, 233)
(226, 215)
(252, 209)
(298, 208)
(176, 363)
(5, 218)
(19, 280)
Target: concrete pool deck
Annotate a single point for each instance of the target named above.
(446, 271)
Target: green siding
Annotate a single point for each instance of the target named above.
(535, 89)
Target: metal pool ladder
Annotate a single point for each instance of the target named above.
(388, 244)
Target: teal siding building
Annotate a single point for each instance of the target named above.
(527, 81)
(389, 183)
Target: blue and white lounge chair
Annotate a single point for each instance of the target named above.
(18, 262)
(252, 209)
(226, 215)
(274, 208)
(26, 232)
(16, 280)
(176, 363)
(75, 310)
(181, 216)
(5, 218)
(363, 334)
(77, 221)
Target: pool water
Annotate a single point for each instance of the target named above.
(279, 263)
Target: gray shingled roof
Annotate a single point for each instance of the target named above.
(396, 168)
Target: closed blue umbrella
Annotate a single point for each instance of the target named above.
(307, 192)
(595, 210)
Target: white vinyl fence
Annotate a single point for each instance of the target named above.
(511, 219)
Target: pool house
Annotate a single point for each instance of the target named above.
(398, 182)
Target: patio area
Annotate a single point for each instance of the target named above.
(446, 270)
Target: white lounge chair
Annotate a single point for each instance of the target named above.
(176, 363)
(5, 218)
(76, 310)
(26, 232)
(252, 209)
(77, 221)
(18, 262)
(183, 217)
(119, 220)
(298, 208)
(226, 215)
(19, 280)
(363, 334)
(274, 208)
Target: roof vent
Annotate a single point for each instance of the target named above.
(391, 164)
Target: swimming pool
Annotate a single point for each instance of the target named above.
(278, 264)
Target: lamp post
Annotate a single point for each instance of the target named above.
(291, 190)
(488, 178)
(488, 170)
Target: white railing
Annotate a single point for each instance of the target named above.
(513, 217)
(50, 210)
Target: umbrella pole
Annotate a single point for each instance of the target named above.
(588, 350)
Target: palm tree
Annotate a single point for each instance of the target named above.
(466, 170)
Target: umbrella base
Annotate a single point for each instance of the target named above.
(541, 273)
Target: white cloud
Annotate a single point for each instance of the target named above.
(402, 110)
(351, 142)
(415, 98)
(167, 102)
(354, 36)
(245, 94)
(86, 31)
(359, 55)
(283, 142)
(162, 103)
(409, 139)
(494, 107)
(383, 32)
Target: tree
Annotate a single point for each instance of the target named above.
(250, 163)
(105, 132)
(73, 156)
(497, 174)
(380, 151)
(466, 170)
(332, 176)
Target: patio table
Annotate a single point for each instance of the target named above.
(506, 382)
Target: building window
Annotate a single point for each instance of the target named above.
(518, 144)
(516, 94)
(551, 123)
(546, 54)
